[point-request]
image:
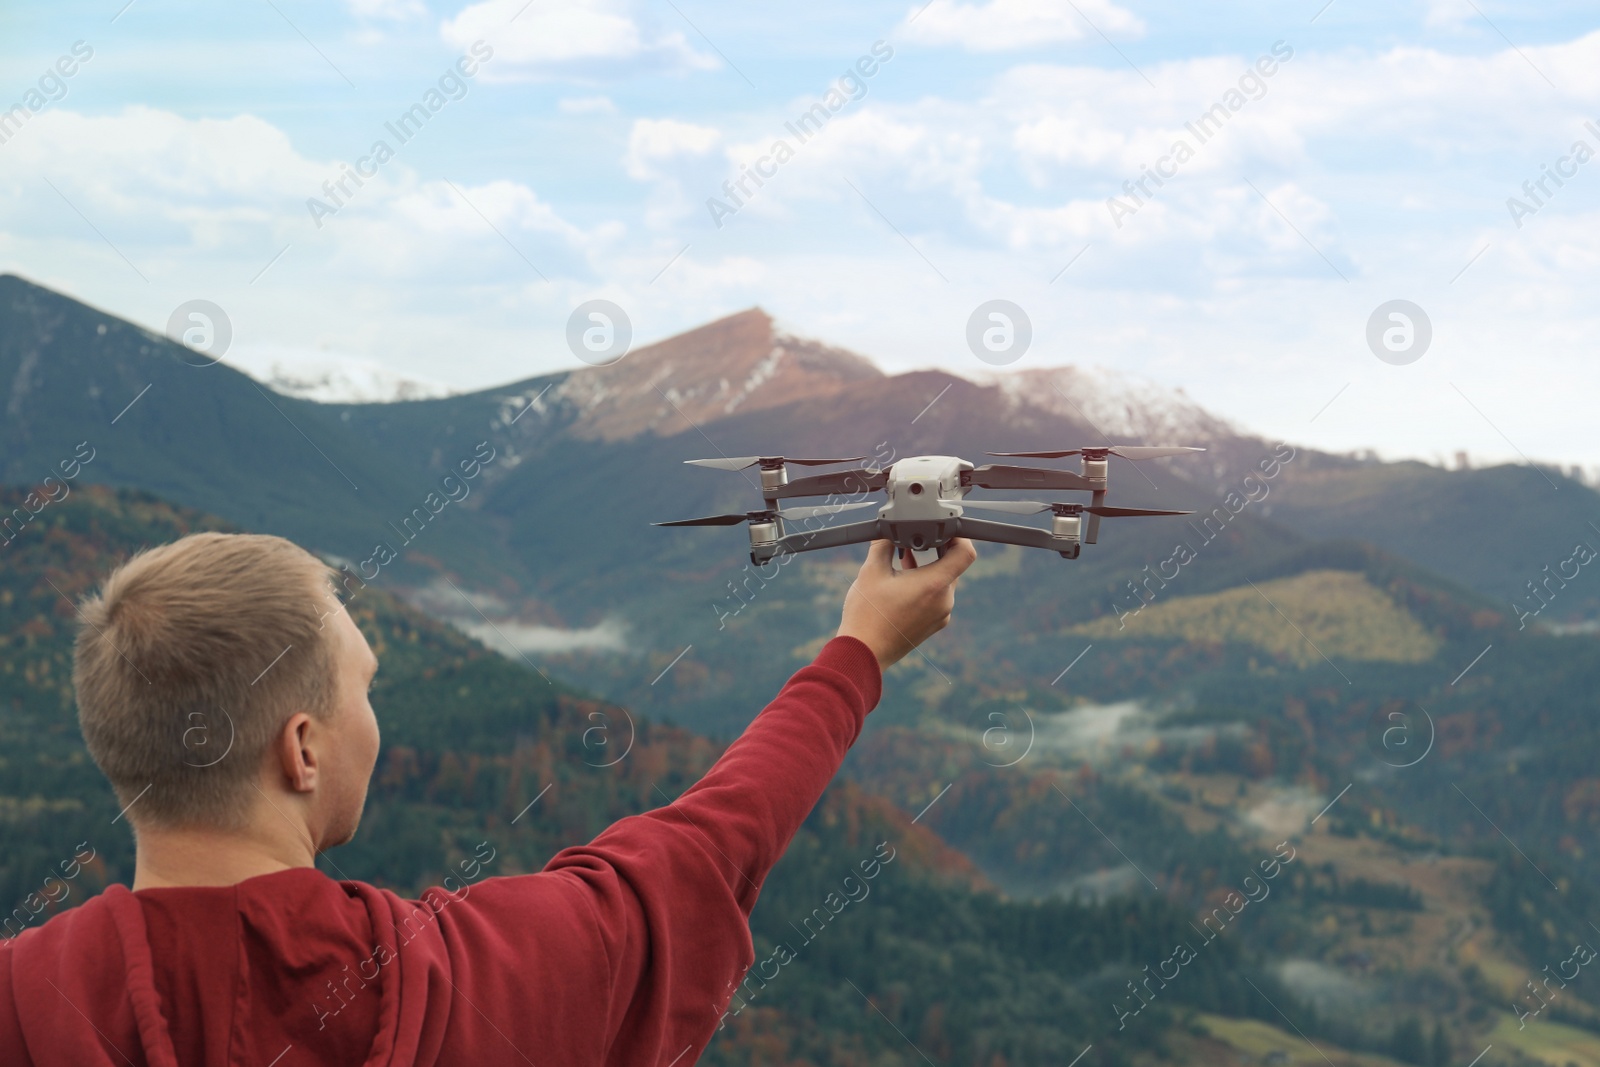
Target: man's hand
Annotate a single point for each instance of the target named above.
(892, 613)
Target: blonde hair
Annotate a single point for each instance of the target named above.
(188, 663)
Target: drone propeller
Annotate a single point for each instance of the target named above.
(758, 516)
(1099, 452)
(739, 463)
(715, 520)
(1034, 507)
(1107, 511)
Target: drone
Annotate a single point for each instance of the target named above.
(927, 503)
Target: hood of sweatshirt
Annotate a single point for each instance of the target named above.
(287, 972)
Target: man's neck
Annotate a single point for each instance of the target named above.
(205, 857)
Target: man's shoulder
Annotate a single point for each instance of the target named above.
(88, 923)
(93, 918)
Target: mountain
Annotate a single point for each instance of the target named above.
(736, 364)
(1502, 530)
(548, 552)
(342, 476)
(158, 417)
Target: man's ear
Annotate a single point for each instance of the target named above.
(296, 758)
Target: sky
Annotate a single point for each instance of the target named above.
(1313, 163)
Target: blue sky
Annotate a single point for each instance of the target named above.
(1373, 164)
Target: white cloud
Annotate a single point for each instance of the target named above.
(680, 162)
(406, 271)
(571, 38)
(1427, 109)
(152, 169)
(942, 165)
(655, 141)
(157, 182)
(161, 173)
(1004, 25)
(506, 205)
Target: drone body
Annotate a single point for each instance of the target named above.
(927, 503)
(924, 507)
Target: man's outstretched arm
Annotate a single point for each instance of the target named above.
(673, 888)
(750, 804)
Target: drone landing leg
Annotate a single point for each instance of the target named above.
(1092, 534)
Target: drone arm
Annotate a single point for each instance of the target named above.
(844, 482)
(857, 533)
(1005, 533)
(850, 533)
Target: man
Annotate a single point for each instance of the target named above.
(232, 948)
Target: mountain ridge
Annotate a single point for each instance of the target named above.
(340, 476)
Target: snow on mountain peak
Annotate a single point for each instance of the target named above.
(333, 379)
(1120, 406)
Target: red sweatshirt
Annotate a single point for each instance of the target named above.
(626, 950)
